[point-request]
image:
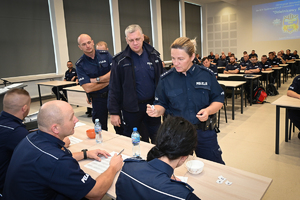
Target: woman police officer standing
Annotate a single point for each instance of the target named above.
(192, 92)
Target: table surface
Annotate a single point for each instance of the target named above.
(283, 65)
(77, 88)
(227, 75)
(232, 83)
(291, 62)
(264, 72)
(276, 68)
(245, 185)
(56, 83)
(287, 101)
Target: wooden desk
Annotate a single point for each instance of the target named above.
(77, 96)
(245, 185)
(54, 84)
(233, 85)
(225, 76)
(284, 102)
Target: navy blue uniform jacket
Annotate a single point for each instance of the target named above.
(122, 88)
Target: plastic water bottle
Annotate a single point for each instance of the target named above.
(98, 131)
(136, 138)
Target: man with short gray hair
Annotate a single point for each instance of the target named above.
(135, 73)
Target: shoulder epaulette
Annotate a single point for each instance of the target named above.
(116, 55)
(79, 60)
(166, 73)
(207, 69)
(102, 51)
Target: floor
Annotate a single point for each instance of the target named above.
(248, 143)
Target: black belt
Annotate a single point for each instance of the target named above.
(95, 95)
(146, 101)
(209, 124)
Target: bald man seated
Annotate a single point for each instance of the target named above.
(16, 106)
(40, 169)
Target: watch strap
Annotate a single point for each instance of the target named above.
(84, 153)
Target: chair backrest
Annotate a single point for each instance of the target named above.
(236, 78)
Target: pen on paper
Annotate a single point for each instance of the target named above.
(120, 152)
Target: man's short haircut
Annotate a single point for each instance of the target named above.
(263, 56)
(296, 51)
(271, 52)
(69, 61)
(146, 39)
(102, 43)
(12, 101)
(253, 50)
(245, 52)
(288, 50)
(254, 56)
(203, 59)
(132, 28)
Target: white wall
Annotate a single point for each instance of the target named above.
(243, 11)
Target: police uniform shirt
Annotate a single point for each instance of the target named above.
(288, 57)
(295, 86)
(92, 68)
(216, 60)
(275, 61)
(254, 66)
(140, 179)
(221, 62)
(144, 76)
(185, 96)
(211, 57)
(214, 69)
(264, 65)
(245, 63)
(40, 169)
(242, 59)
(280, 61)
(250, 55)
(233, 66)
(295, 56)
(12, 131)
(70, 74)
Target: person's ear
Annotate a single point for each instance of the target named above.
(55, 129)
(24, 108)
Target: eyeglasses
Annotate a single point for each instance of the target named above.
(136, 39)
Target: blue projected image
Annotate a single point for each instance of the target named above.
(276, 21)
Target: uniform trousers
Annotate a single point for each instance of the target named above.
(208, 147)
(100, 110)
(142, 121)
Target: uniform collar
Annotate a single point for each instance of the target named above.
(51, 138)
(191, 70)
(161, 166)
(8, 115)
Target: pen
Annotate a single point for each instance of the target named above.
(120, 152)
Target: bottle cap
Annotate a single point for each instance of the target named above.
(135, 129)
(96, 120)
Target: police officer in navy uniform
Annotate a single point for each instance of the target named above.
(254, 67)
(176, 140)
(211, 56)
(70, 75)
(213, 68)
(134, 76)
(93, 69)
(232, 67)
(294, 91)
(42, 168)
(16, 106)
(192, 92)
(245, 62)
(253, 54)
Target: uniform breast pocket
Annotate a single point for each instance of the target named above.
(201, 96)
(175, 97)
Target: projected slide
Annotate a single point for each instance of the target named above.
(276, 21)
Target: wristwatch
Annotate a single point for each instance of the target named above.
(84, 153)
(98, 79)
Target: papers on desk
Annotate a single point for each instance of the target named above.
(183, 178)
(14, 85)
(74, 140)
(102, 166)
(79, 124)
(32, 117)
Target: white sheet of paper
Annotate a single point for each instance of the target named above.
(102, 166)
(183, 179)
(74, 140)
(14, 85)
(79, 124)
